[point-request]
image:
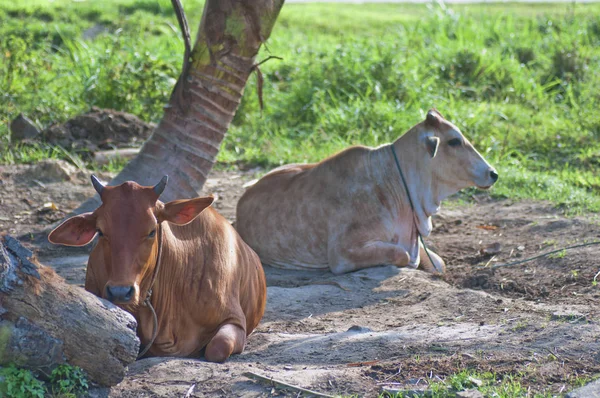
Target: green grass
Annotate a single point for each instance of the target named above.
(488, 383)
(65, 381)
(521, 80)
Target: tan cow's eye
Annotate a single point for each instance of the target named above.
(152, 234)
(100, 233)
(455, 142)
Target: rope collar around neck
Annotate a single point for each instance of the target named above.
(412, 207)
(147, 301)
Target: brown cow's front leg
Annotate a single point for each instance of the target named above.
(230, 339)
(370, 254)
(426, 265)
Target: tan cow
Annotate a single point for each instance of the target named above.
(208, 287)
(351, 211)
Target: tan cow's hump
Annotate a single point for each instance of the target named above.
(290, 169)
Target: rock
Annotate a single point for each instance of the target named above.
(472, 393)
(358, 329)
(21, 128)
(50, 170)
(588, 391)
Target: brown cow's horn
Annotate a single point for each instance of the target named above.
(97, 185)
(160, 187)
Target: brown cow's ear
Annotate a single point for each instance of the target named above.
(75, 231)
(181, 212)
(432, 144)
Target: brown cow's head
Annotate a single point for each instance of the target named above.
(126, 224)
(456, 164)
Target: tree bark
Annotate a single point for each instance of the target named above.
(203, 104)
(45, 322)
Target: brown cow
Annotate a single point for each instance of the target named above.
(351, 211)
(208, 287)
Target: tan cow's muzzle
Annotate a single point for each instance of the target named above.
(491, 177)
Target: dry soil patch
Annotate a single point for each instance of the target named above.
(354, 333)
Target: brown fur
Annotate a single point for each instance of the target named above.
(210, 291)
(351, 211)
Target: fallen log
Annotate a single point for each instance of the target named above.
(45, 322)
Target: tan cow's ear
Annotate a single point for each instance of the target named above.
(181, 212)
(433, 118)
(432, 143)
(75, 231)
(438, 112)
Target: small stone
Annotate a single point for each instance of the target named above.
(491, 249)
(472, 393)
(359, 329)
(21, 128)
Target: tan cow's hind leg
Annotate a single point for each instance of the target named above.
(230, 339)
(426, 265)
(368, 255)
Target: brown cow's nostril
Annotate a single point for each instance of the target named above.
(122, 294)
(494, 175)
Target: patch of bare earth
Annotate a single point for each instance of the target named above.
(384, 326)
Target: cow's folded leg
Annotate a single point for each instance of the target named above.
(230, 339)
(437, 267)
(367, 255)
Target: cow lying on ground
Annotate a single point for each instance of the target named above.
(207, 286)
(351, 211)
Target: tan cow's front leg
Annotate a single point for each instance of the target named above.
(366, 255)
(426, 264)
(230, 339)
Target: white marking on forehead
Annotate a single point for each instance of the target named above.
(453, 131)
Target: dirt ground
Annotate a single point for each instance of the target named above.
(381, 327)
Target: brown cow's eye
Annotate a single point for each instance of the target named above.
(455, 142)
(100, 233)
(152, 234)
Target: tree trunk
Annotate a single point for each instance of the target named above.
(187, 140)
(45, 322)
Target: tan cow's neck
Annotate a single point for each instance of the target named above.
(425, 196)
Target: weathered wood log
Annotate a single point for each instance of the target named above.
(45, 322)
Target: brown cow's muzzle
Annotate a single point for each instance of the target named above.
(119, 294)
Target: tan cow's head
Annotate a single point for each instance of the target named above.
(456, 164)
(126, 224)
